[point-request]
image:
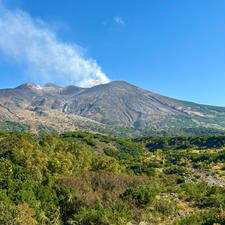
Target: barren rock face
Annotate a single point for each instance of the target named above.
(117, 103)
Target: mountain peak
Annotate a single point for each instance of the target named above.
(120, 83)
(113, 86)
(28, 85)
(71, 89)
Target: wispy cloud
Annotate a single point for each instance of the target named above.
(119, 20)
(33, 43)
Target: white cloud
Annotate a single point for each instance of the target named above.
(119, 20)
(32, 42)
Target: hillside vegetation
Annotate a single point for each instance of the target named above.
(80, 178)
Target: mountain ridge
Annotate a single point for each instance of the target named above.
(117, 104)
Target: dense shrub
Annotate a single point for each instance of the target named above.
(142, 196)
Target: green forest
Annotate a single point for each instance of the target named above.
(81, 178)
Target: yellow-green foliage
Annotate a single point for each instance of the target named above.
(83, 178)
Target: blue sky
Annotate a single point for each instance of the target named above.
(172, 47)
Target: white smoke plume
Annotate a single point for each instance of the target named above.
(31, 42)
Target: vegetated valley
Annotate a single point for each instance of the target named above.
(81, 178)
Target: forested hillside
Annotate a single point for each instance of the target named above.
(79, 178)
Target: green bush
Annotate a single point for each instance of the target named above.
(142, 196)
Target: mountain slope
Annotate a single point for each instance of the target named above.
(116, 104)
